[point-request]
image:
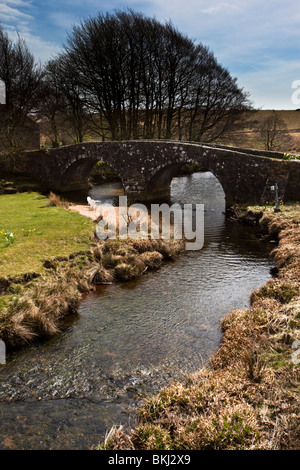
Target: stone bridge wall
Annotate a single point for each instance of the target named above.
(146, 168)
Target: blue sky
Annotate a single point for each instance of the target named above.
(257, 40)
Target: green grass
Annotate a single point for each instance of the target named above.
(39, 233)
(288, 211)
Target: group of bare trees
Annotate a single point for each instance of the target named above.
(47, 93)
(123, 76)
(63, 113)
(24, 86)
(147, 80)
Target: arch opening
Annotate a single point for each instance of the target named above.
(85, 172)
(185, 175)
(102, 173)
(105, 184)
(201, 187)
(94, 178)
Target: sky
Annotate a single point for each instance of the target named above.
(258, 41)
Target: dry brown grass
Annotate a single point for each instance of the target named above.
(248, 136)
(37, 312)
(37, 307)
(97, 274)
(131, 268)
(247, 398)
(56, 200)
(152, 259)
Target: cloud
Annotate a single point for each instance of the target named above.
(21, 3)
(257, 41)
(220, 7)
(63, 19)
(41, 49)
(271, 88)
(16, 17)
(9, 14)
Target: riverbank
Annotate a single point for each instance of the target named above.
(248, 396)
(50, 257)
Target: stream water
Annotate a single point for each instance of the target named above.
(129, 340)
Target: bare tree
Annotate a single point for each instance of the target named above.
(62, 112)
(273, 131)
(49, 108)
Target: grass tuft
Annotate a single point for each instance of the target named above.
(57, 201)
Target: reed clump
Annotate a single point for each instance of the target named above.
(152, 259)
(38, 310)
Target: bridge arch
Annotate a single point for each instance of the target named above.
(77, 173)
(146, 168)
(160, 183)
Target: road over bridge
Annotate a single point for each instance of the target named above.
(146, 168)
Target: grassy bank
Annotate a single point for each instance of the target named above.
(248, 396)
(49, 257)
(39, 232)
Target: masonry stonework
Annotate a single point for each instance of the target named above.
(146, 168)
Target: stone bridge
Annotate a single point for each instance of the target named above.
(146, 168)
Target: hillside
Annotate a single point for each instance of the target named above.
(248, 134)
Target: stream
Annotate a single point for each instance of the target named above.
(130, 339)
